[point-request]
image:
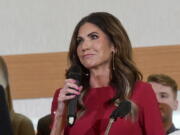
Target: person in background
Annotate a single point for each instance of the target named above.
(43, 127)
(5, 122)
(101, 48)
(165, 89)
(21, 125)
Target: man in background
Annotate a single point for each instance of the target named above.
(165, 89)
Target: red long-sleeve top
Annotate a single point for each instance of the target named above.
(96, 117)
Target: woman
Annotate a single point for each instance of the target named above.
(102, 49)
(21, 125)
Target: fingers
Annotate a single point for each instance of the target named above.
(69, 91)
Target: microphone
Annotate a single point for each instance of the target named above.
(121, 111)
(76, 74)
(5, 122)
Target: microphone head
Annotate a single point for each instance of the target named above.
(122, 110)
(75, 73)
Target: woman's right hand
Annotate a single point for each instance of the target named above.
(69, 91)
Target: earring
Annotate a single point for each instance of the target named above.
(113, 61)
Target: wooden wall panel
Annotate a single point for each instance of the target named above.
(38, 75)
(159, 59)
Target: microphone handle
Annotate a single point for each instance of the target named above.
(72, 108)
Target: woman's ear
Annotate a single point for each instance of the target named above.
(113, 49)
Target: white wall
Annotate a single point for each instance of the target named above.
(33, 108)
(34, 26)
(31, 26)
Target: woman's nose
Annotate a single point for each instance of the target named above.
(86, 45)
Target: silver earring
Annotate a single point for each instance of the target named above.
(113, 61)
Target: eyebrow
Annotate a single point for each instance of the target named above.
(92, 33)
(88, 34)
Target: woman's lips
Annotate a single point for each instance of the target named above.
(86, 56)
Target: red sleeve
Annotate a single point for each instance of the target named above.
(54, 105)
(150, 117)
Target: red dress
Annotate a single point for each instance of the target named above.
(96, 118)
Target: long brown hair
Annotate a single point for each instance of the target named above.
(123, 69)
(125, 74)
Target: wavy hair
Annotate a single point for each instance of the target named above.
(123, 69)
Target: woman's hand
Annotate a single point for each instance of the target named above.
(69, 91)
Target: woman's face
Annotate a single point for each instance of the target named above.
(94, 48)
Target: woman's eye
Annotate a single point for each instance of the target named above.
(79, 40)
(94, 36)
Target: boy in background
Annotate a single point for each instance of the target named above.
(165, 89)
